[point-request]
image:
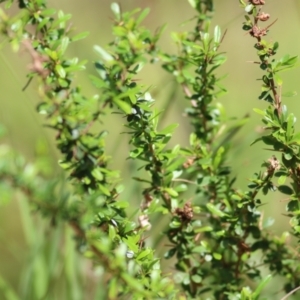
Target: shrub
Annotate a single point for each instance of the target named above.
(217, 241)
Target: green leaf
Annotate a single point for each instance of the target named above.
(61, 21)
(171, 192)
(288, 155)
(41, 24)
(80, 36)
(295, 138)
(218, 157)
(111, 232)
(103, 54)
(104, 189)
(8, 4)
(116, 10)
(133, 283)
(285, 189)
(289, 94)
(175, 224)
(64, 45)
(260, 112)
(193, 3)
(196, 278)
(51, 54)
(136, 152)
(132, 98)
(275, 46)
(63, 83)
(217, 34)
(217, 256)
(249, 8)
(290, 126)
(246, 293)
(60, 71)
(294, 222)
(159, 32)
(76, 67)
(121, 204)
(48, 12)
(282, 179)
(291, 61)
(113, 288)
(142, 16)
(261, 286)
(97, 174)
(143, 254)
(268, 222)
(278, 80)
(205, 40)
(169, 129)
(214, 210)
(204, 229)
(170, 253)
(174, 165)
(255, 141)
(124, 106)
(132, 243)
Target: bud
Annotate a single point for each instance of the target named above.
(258, 2)
(263, 16)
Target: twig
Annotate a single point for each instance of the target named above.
(290, 293)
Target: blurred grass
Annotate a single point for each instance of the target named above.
(20, 253)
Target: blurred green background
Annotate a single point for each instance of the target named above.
(25, 127)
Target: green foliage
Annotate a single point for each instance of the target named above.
(218, 241)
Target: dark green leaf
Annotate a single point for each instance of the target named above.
(170, 253)
(285, 189)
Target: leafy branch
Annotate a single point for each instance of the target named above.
(217, 237)
(99, 221)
